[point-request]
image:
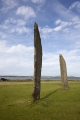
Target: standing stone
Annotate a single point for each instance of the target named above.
(37, 63)
(63, 70)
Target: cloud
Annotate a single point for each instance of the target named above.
(46, 30)
(57, 22)
(61, 30)
(51, 65)
(76, 22)
(38, 1)
(75, 5)
(25, 0)
(12, 25)
(19, 22)
(68, 26)
(62, 11)
(16, 59)
(62, 24)
(58, 28)
(72, 59)
(76, 45)
(26, 11)
(59, 25)
(8, 4)
(20, 30)
(2, 35)
(19, 60)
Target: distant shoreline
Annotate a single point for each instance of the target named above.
(31, 78)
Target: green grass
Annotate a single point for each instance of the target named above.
(55, 103)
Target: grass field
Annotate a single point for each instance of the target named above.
(55, 103)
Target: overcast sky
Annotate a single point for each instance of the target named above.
(59, 26)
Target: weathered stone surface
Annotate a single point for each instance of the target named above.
(37, 63)
(63, 70)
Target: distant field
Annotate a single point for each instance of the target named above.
(55, 103)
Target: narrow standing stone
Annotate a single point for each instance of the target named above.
(63, 70)
(37, 63)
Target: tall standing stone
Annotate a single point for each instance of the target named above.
(63, 70)
(37, 63)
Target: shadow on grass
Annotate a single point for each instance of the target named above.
(50, 94)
